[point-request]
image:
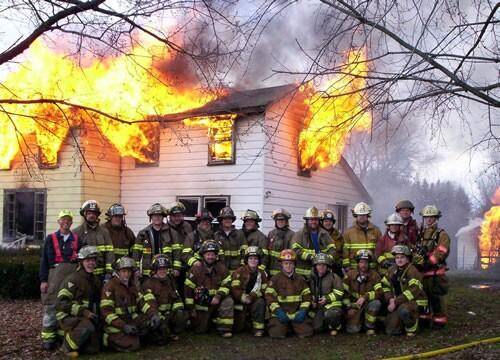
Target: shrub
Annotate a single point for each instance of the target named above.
(19, 274)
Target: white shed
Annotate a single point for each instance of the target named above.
(467, 245)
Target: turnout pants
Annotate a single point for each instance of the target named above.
(49, 321)
(171, 323)
(277, 329)
(405, 316)
(119, 341)
(368, 313)
(222, 315)
(246, 313)
(326, 319)
(80, 334)
(436, 288)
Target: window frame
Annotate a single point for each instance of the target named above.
(201, 202)
(232, 161)
(341, 215)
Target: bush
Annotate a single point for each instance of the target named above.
(19, 274)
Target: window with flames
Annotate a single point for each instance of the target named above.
(221, 141)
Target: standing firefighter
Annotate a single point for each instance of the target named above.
(90, 233)
(122, 236)
(289, 298)
(202, 233)
(232, 241)
(393, 236)
(178, 230)
(154, 239)
(362, 235)
(58, 260)
(119, 309)
(404, 292)
(207, 293)
(162, 303)
(327, 223)
(78, 306)
(311, 240)
(279, 239)
(405, 209)
(327, 292)
(255, 237)
(432, 249)
(247, 289)
(363, 294)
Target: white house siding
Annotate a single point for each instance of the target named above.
(284, 188)
(182, 170)
(63, 184)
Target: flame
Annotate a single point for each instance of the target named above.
(489, 237)
(128, 87)
(220, 132)
(332, 114)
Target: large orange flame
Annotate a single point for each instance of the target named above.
(128, 87)
(333, 114)
(489, 237)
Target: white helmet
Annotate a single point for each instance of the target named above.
(394, 219)
(361, 209)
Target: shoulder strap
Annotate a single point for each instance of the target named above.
(57, 250)
(74, 245)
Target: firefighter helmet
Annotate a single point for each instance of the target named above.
(177, 208)
(393, 219)
(430, 211)
(252, 251)
(160, 261)
(322, 258)
(405, 204)
(204, 214)
(209, 245)
(251, 215)
(125, 262)
(87, 252)
(281, 214)
(328, 215)
(116, 210)
(361, 208)
(157, 209)
(64, 213)
(364, 254)
(90, 205)
(287, 255)
(225, 213)
(401, 249)
(311, 213)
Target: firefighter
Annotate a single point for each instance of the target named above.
(405, 209)
(78, 306)
(232, 240)
(207, 293)
(178, 230)
(327, 292)
(289, 298)
(363, 294)
(120, 302)
(90, 233)
(309, 241)
(362, 235)
(279, 239)
(393, 236)
(154, 239)
(58, 260)
(202, 233)
(248, 284)
(403, 291)
(432, 249)
(255, 237)
(122, 236)
(328, 221)
(162, 303)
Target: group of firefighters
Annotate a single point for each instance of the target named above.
(102, 285)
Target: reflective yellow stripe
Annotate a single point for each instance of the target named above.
(305, 305)
(381, 259)
(275, 254)
(145, 308)
(386, 282)
(190, 284)
(238, 307)
(177, 306)
(371, 295)
(75, 308)
(48, 335)
(370, 318)
(413, 328)
(338, 292)
(271, 291)
(306, 291)
(177, 263)
(138, 247)
(60, 315)
(187, 250)
(221, 321)
(120, 251)
(177, 246)
(416, 282)
(377, 286)
(111, 330)
(232, 253)
(166, 249)
(235, 283)
(191, 261)
(149, 296)
(70, 342)
(147, 250)
(189, 301)
(258, 325)
(423, 303)
(333, 304)
(119, 311)
(201, 308)
(65, 292)
(109, 319)
(289, 299)
(265, 251)
(408, 295)
(224, 290)
(132, 309)
(273, 306)
(107, 302)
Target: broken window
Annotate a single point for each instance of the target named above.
(194, 204)
(24, 214)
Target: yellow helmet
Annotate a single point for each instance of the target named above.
(328, 215)
(251, 215)
(64, 213)
(430, 211)
(177, 208)
(361, 208)
(287, 255)
(312, 213)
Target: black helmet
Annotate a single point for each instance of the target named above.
(226, 212)
(159, 261)
(209, 245)
(204, 214)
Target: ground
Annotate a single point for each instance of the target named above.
(474, 314)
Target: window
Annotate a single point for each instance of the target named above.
(151, 152)
(221, 149)
(340, 211)
(24, 214)
(194, 204)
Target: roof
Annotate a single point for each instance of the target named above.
(236, 102)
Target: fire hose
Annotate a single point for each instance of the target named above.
(446, 350)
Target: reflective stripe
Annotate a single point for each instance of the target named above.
(190, 284)
(258, 325)
(149, 296)
(120, 251)
(107, 302)
(70, 342)
(212, 292)
(289, 299)
(189, 301)
(187, 250)
(232, 253)
(224, 290)
(273, 306)
(416, 282)
(132, 309)
(119, 311)
(112, 330)
(221, 321)
(147, 250)
(177, 263)
(177, 246)
(360, 246)
(138, 247)
(191, 261)
(109, 319)
(275, 254)
(235, 283)
(370, 318)
(408, 295)
(60, 315)
(65, 292)
(177, 306)
(238, 307)
(413, 328)
(75, 308)
(303, 272)
(305, 305)
(48, 335)
(201, 308)
(166, 249)
(306, 291)
(338, 292)
(377, 286)
(423, 303)
(333, 304)
(381, 259)
(371, 295)
(145, 308)
(164, 307)
(271, 291)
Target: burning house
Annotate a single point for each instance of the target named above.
(259, 149)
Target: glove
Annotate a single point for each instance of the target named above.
(300, 317)
(90, 315)
(155, 321)
(130, 329)
(246, 299)
(282, 316)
